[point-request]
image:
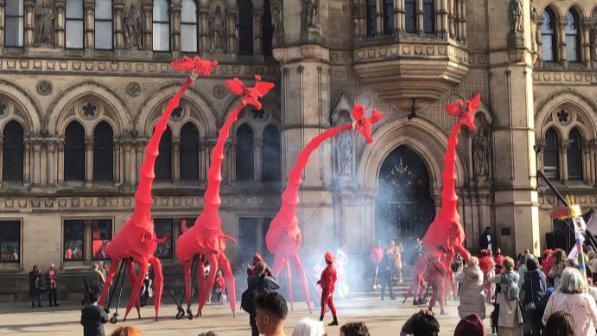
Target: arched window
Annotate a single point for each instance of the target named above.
(74, 152)
(388, 17)
(574, 155)
(371, 18)
(163, 164)
(548, 41)
(245, 27)
(161, 25)
(572, 37)
(410, 16)
(189, 153)
(429, 16)
(103, 152)
(13, 17)
(270, 155)
(103, 24)
(74, 24)
(188, 26)
(551, 157)
(267, 30)
(13, 152)
(244, 153)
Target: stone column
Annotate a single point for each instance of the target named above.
(129, 162)
(118, 28)
(2, 23)
(29, 22)
(203, 27)
(116, 162)
(357, 12)
(564, 160)
(203, 160)
(1, 161)
(60, 174)
(305, 110)
(51, 167)
(399, 16)
(60, 18)
(593, 160)
(36, 167)
(89, 18)
(88, 161)
(257, 147)
(379, 17)
(176, 161)
(586, 39)
(463, 21)
(148, 24)
(231, 30)
(420, 17)
(442, 19)
(140, 146)
(257, 27)
(561, 42)
(587, 167)
(175, 8)
(511, 97)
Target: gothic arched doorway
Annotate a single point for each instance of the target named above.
(404, 207)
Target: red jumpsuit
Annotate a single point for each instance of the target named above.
(327, 282)
(437, 272)
(486, 264)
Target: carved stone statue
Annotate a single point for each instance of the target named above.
(133, 29)
(516, 16)
(217, 30)
(311, 12)
(344, 148)
(277, 23)
(482, 148)
(534, 36)
(44, 25)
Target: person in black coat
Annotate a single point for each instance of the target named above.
(487, 241)
(261, 282)
(35, 287)
(93, 317)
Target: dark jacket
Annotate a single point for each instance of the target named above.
(387, 267)
(258, 284)
(534, 289)
(484, 242)
(92, 319)
(35, 284)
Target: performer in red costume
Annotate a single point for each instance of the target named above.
(136, 241)
(437, 273)
(487, 266)
(283, 237)
(327, 283)
(445, 234)
(376, 255)
(257, 258)
(206, 236)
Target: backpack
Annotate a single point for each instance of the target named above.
(512, 289)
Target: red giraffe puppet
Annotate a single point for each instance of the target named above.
(283, 238)
(205, 237)
(445, 234)
(137, 240)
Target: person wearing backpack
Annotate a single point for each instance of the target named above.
(534, 297)
(510, 316)
(260, 282)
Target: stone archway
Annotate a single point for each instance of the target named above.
(404, 206)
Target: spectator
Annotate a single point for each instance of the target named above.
(510, 315)
(387, 270)
(376, 255)
(95, 279)
(572, 298)
(93, 317)
(471, 290)
(219, 287)
(308, 327)
(422, 323)
(486, 241)
(35, 287)
(547, 262)
(354, 329)
(498, 258)
(593, 265)
(271, 311)
(258, 283)
(559, 324)
(126, 331)
(471, 325)
(398, 252)
(208, 333)
(533, 294)
(52, 285)
(559, 264)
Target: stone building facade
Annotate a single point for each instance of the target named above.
(82, 83)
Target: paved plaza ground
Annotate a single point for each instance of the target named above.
(382, 318)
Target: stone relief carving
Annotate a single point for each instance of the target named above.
(482, 148)
(133, 29)
(277, 22)
(44, 88)
(133, 89)
(217, 30)
(44, 33)
(219, 91)
(311, 13)
(516, 16)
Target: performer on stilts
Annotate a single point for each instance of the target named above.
(327, 283)
(437, 273)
